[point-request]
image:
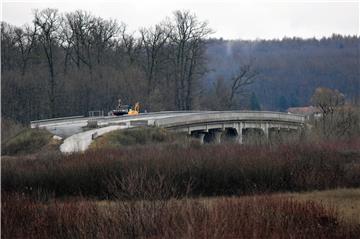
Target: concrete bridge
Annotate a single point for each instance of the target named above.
(211, 126)
(207, 126)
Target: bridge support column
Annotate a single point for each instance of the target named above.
(300, 133)
(265, 129)
(217, 137)
(200, 136)
(240, 134)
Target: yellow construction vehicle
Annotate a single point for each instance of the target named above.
(135, 110)
(125, 109)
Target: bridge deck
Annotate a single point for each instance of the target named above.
(190, 121)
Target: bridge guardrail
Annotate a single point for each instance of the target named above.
(109, 118)
(229, 116)
(57, 119)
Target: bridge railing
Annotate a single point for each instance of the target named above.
(109, 118)
(230, 116)
(35, 123)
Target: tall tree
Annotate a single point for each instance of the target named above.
(153, 41)
(329, 102)
(8, 47)
(239, 81)
(48, 21)
(78, 35)
(25, 40)
(187, 40)
(129, 44)
(102, 33)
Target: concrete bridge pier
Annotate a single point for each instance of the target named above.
(199, 136)
(265, 129)
(240, 137)
(217, 136)
(212, 136)
(239, 130)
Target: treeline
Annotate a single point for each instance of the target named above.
(289, 70)
(71, 63)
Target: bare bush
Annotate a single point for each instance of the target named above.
(247, 217)
(337, 120)
(156, 172)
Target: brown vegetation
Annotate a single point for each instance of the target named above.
(9, 128)
(27, 141)
(157, 172)
(346, 201)
(337, 120)
(138, 136)
(247, 217)
(157, 191)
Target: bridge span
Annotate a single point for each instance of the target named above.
(212, 125)
(207, 126)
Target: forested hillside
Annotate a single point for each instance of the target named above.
(70, 63)
(289, 70)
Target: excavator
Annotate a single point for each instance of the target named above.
(122, 109)
(135, 110)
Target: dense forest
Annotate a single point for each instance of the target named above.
(71, 63)
(289, 70)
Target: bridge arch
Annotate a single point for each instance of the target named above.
(214, 126)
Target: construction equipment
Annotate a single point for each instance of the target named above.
(125, 109)
(135, 110)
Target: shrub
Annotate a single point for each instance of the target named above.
(10, 128)
(138, 136)
(26, 142)
(247, 217)
(152, 172)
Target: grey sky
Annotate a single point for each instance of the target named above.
(229, 18)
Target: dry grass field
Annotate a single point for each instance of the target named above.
(278, 216)
(345, 200)
(174, 191)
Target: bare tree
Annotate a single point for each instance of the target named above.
(66, 42)
(244, 77)
(8, 46)
(103, 33)
(90, 36)
(129, 44)
(25, 40)
(329, 102)
(187, 39)
(79, 25)
(153, 41)
(48, 21)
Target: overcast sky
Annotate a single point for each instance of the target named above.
(229, 19)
